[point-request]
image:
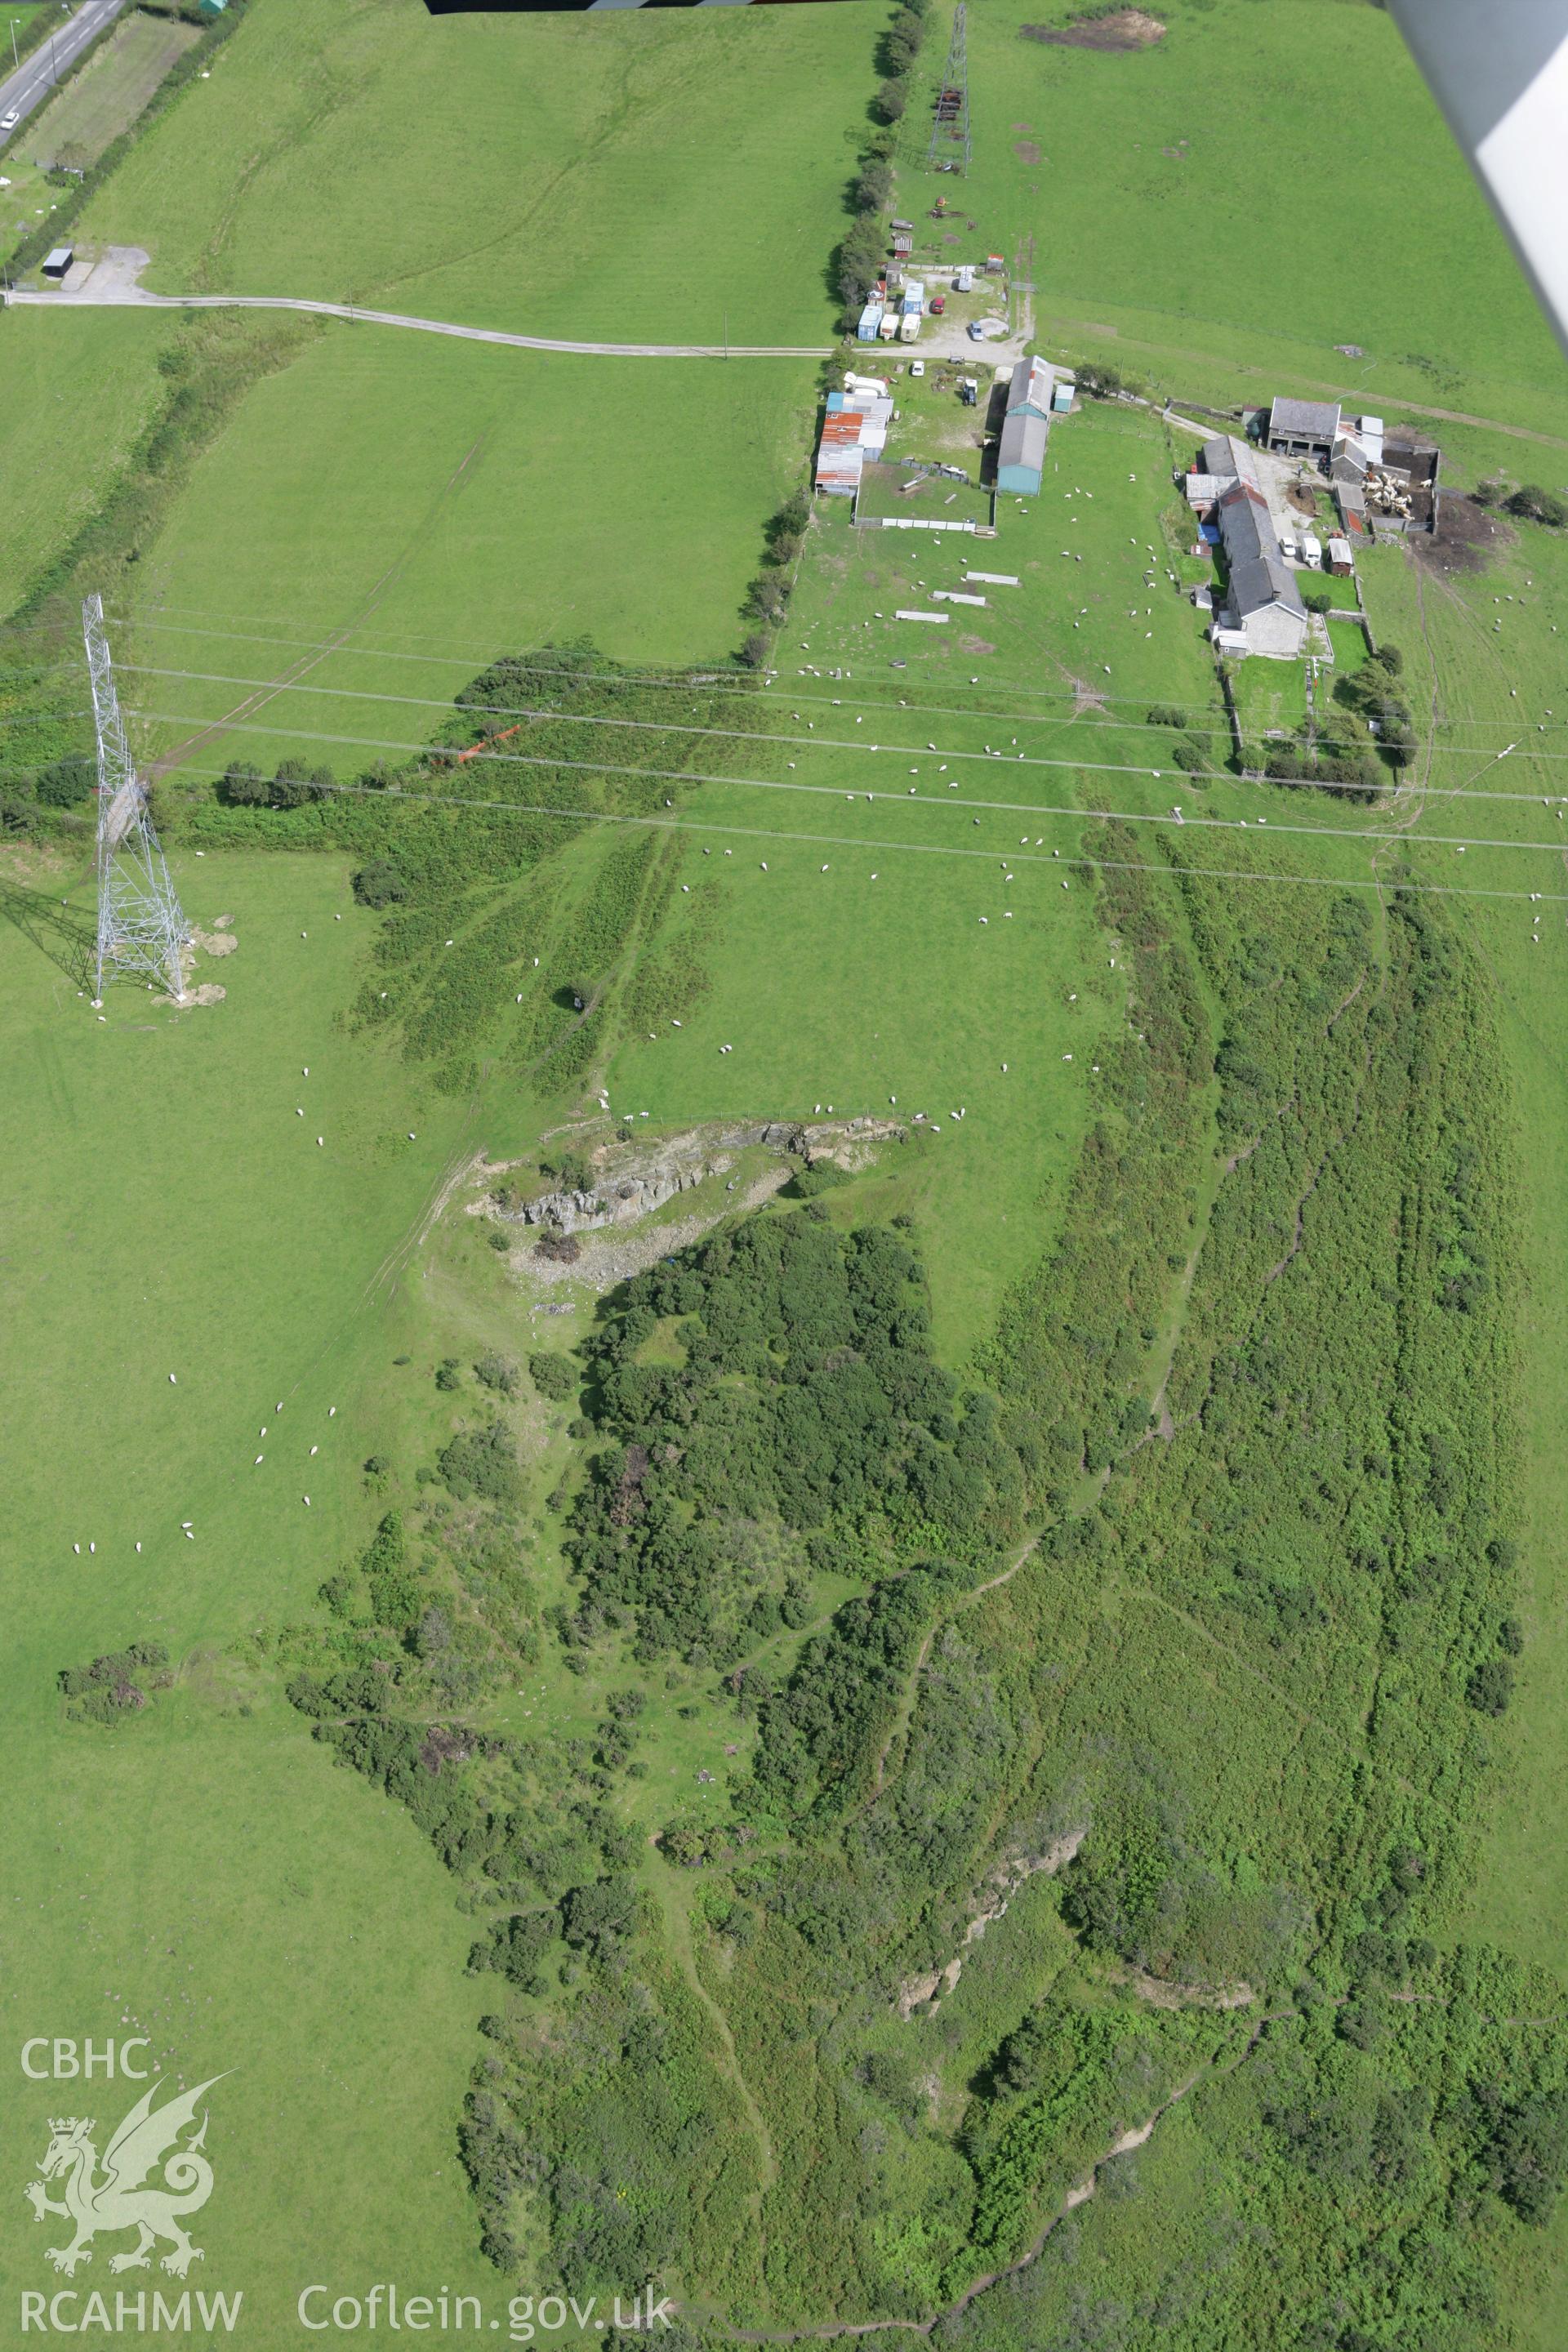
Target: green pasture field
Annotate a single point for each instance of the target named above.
(166, 1212)
(91, 110)
(435, 504)
(832, 989)
(80, 389)
(499, 171)
(1298, 120)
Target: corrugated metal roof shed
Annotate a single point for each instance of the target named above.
(1031, 386)
(1021, 452)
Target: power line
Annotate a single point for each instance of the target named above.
(745, 734)
(709, 678)
(938, 849)
(1195, 776)
(833, 791)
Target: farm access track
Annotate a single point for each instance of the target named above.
(129, 296)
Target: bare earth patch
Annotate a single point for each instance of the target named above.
(973, 645)
(1466, 539)
(1026, 151)
(1128, 28)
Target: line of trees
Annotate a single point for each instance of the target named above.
(862, 257)
(767, 598)
(244, 786)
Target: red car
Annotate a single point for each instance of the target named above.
(938, 305)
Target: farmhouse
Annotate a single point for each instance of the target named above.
(1304, 429)
(1263, 605)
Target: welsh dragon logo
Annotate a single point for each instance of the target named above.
(147, 2142)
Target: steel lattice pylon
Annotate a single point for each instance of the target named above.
(140, 928)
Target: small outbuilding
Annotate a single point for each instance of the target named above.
(57, 263)
(1340, 563)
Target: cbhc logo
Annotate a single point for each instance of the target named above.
(68, 2061)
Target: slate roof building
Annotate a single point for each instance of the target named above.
(1263, 603)
(1304, 429)
(1227, 459)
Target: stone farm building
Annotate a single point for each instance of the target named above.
(1304, 429)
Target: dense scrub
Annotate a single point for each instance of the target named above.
(793, 1394)
(117, 1685)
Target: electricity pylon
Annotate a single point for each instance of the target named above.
(140, 928)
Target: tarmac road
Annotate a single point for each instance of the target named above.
(24, 91)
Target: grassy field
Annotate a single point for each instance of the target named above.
(1294, 118)
(80, 391)
(166, 1212)
(886, 902)
(956, 959)
(479, 512)
(518, 157)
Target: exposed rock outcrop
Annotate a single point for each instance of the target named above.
(631, 1181)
